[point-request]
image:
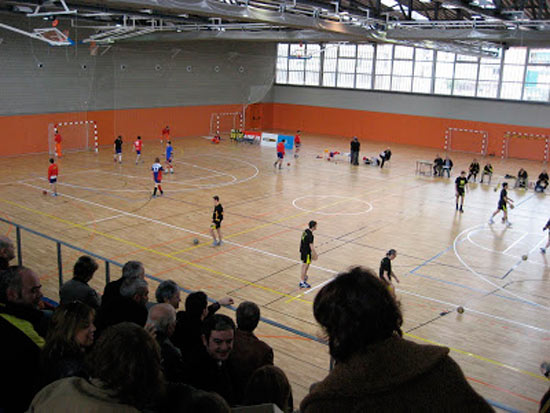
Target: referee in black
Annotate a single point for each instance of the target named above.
(386, 274)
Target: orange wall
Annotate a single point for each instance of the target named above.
(29, 133)
(406, 129)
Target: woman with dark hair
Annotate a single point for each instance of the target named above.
(376, 368)
(70, 334)
(269, 384)
(126, 377)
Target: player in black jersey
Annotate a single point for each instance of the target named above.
(307, 252)
(118, 149)
(460, 184)
(217, 218)
(546, 227)
(503, 203)
(386, 273)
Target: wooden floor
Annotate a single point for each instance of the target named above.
(445, 259)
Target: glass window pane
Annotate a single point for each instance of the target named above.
(423, 69)
(490, 60)
(464, 87)
(296, 78)
(512, 73)
(444, 69)
(363, 81)
(445, 57)
(312, 78)
(345, 80)
(347, 50)
(313, 49)
(330, 65)
(443, 86)
(282, 49)
(424, 55)
(402, 84)
(281, 76)
(539, 56)
(365, 51)
(364, 66)
(329, 79)
(331, 51)
(536, 92)
(296, 64)
(346, 65)
(403, 52)
(421, 85)
(537, 74)
(402, 67)
(489, 72)
(465, 71)
(486, 89)
(282, 63)
(465, 58)
(383, 67)
(383, 51)
(515, 55)
(382, 82)
(510, 90)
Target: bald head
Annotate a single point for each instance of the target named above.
(7, 250)
(163, 318)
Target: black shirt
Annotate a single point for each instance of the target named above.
(307, 240)
(385, 266)
(503, 195)
(543, 177)
(354, 146)
(488, 168)
(217, 216)
(461, 183)
(474, 167)
(118, 144)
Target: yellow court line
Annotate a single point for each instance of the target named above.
(488, 360)
(143, 248)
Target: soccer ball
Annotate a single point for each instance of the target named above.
(195, 242)
(460, 310)
(524, 257)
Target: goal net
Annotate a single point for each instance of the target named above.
(221, 123)
(525, 146)
(75, 135)
(466, 140)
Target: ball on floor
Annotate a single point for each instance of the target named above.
(460, 310)
(195, 242)
(524, 257)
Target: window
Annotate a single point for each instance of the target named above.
(365, 59)
(384, 65)
(423, 69)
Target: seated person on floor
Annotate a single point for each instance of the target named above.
(487, 170)
(542, 182)
(522, 180)
(438, 165)
(474, 170)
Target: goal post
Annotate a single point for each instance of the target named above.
(466, 140)
(76, 135)
(526, 146)
(221, 123)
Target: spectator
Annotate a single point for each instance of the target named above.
(78, 289)
(542, 182)
(487, 170)
(7, 252)
(447, 166)
(376, 369)
(188, 334)
(249, 353)
(208, 369)
(168, 292)
(22, 328)
(132, 269)
(438, 165)
(70, 335)
(474, 170)
(269, 384)
(162, 319)
(200, 401)
(126, 377)
(355, 146)
(131, 306)
(385, 155)
(522, 179)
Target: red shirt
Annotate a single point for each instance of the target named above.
(57, 138)
(137, 145)
(53, 171)
(281, 147)
(297, 139)
(166, 132)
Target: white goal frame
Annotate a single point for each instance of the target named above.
(60, 125)
(483, 136)
(217, 120)
(526, 136)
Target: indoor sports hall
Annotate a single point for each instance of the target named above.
(480, 289)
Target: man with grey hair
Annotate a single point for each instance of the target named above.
(162, 320)
(130, 306)
(22, 328)
(168, 292)
(7, 252)
(131, 270)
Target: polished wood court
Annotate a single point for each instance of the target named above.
(445, 259)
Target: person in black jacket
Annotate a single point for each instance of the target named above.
(132, 269)
(355, 146)
(474, 170)
(438, 165)
(385, 155)
(542, 182)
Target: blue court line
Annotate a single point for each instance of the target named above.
(502, 406)
(431, 259)
(526, 199)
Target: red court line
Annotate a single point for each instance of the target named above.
(492, 386)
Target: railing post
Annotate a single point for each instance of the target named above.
(19, 252)
(107, 273)
(59, 265)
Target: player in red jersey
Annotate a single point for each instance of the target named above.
(166, 133)
(137, 147)
(298, 143)
(53, 171)
(280, 154)
(57, 139)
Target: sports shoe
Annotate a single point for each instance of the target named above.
(491, 221)
(304, 284)
(461, 210)
(215, 244)
(543, 250)
(508, 224)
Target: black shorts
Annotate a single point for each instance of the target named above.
(306, 257)
(216, 225)
(502, 205)
(460, 192)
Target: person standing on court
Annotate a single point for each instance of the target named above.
(138, 145)
(280, 154)
(118, 149)
(386, 273)
(307, 252)
(217, 218)
(57, 138)
(354, 147)
(460, 184)
(503, 203)
(53, 171)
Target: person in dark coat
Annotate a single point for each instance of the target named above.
(249, 353)
(132, 269)
(474, 170)
(78, 289)
(438, 165)
(355, 146)
(376, 368)
(7, 252)
(385, 155)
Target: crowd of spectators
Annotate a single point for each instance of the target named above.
(151, 357)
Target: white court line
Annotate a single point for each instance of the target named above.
(295, 205)
(156, 221)
(515, 242)
(102, 219)
(182, 182)
(481, 277)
